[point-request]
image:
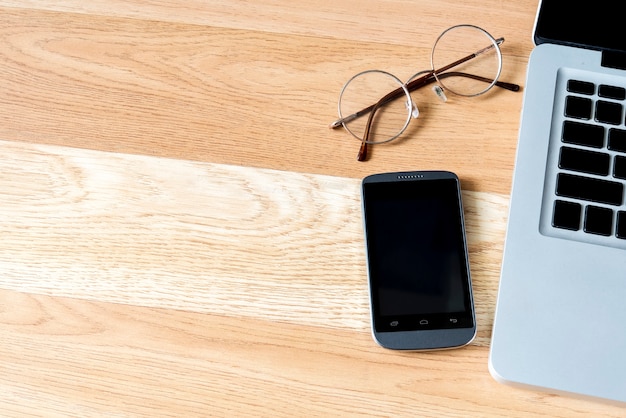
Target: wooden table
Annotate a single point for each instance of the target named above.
(181, 232)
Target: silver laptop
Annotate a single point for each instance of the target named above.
(560, 321)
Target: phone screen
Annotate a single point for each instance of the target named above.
(417, 256)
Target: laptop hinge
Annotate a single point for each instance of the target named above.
(612, 59)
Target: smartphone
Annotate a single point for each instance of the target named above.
(417, 261)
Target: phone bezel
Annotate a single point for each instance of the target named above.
(431, 336)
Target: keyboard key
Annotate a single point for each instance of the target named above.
(583, 134)
(608, 112)
(591, 189)
(584, 161)
(619, 169)
(598, 221)
(617, 140)
(578, 107)
(612, 92)
(566, 215)
(620, 231)
(580, 87)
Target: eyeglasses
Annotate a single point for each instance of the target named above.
(464, 75)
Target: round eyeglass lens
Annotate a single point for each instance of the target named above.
(478, 58)
(360, 93)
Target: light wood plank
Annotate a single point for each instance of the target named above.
(76, 358)
(206, 93)
(397, 22)
(203, 237)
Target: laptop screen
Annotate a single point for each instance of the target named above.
(596, 24)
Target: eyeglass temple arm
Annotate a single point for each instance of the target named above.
(386, 99)
(501, 84)
(428, 78)
(399, 92)
(416, 84)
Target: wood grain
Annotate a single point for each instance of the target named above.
(181, 232)
(246, 287)
(80, 358)
(202, 237)
(388, 21)
(205, 93)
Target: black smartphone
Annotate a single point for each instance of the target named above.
(417, 261)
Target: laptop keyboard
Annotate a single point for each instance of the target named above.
(589, 182)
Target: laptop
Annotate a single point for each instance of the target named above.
(560, 321)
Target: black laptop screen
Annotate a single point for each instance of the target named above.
(597, 24)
